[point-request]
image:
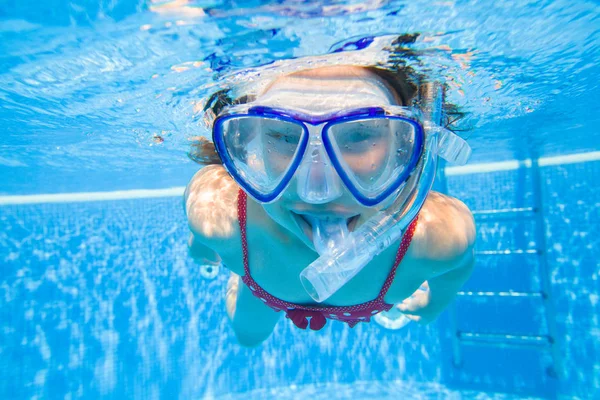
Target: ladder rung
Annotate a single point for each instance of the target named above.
(538, 342)
(507, 252)
(500, 294)
(503, 212)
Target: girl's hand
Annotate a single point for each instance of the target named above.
(428, 302)
(413, 306)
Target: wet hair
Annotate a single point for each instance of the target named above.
(203, 152)
(399, 81)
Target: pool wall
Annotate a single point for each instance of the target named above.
(571, 212)
(99, 299)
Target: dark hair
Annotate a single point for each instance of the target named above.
(399, 81)
(203, 152)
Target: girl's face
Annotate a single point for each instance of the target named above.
(324, 91)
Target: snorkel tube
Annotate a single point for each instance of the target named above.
(340, 263)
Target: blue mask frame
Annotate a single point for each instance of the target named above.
(329, 120)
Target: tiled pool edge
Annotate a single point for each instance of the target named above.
(178, 190)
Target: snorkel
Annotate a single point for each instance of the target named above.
(343, 254)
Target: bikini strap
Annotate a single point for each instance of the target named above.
(242, 201)
(402, 249)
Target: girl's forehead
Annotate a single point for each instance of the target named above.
(330, 93)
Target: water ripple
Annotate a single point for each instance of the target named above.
(124, 72)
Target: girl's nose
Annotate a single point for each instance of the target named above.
(317, 180)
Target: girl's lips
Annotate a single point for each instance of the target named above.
(306, 227)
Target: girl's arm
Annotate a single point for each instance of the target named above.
(211, 207)
(210, 203)
(444, 250)
(252, 321)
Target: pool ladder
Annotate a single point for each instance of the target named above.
(545, 342)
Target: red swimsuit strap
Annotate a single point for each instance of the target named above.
(242, 199)
(402, 249)
(400, 253)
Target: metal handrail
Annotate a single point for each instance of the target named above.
(505, 340)
(544, 342)
(500, 294)
(507, 252)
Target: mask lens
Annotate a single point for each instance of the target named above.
(374, 152)
(262, 149)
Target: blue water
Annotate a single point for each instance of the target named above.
(98, 299)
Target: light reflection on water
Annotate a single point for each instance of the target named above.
(102, 90)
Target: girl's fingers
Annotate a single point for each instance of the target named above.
(418, 301)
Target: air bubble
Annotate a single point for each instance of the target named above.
(209, 271)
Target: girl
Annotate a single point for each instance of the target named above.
(313, 157)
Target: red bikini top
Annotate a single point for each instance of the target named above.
(300, 314)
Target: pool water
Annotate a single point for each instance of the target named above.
(98, 298)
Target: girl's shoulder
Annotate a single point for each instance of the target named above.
(445, 231)
(211, 205)
(210, 202)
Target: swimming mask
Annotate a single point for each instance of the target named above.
(371, 151)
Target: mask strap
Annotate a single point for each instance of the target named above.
(452, 147)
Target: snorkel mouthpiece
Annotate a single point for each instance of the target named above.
(328, 233)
